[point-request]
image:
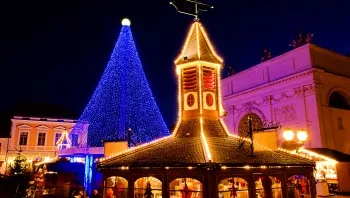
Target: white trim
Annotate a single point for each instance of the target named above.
(37, 138)
(24, 126)
(48, 119)
(42, 128)
(60, 128)
(41, 122)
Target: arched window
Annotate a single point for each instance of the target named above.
(339, 100)
(116, 187)
(243, 127)
(298, 186)
(148, 187)
(233, 187)
(268, 186)
(185, 188)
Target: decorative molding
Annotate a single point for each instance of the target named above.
(285, 113)
(24, 126)
(249, 109)
(284, 96)
(313, 88)
(42, 128)
(60, 128)
(270, 84)
(299, 91)
(229, 108)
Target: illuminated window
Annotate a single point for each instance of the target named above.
(185, 187)
(41, 139)
(57, 137)
(116, 187)
(209, 78)
(233, 187)
(268, 186)
(190, 100)
(148, 187)
(210, 100)
(23, 138)
(298, 186)
(190, 78)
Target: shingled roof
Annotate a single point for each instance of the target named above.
(185, 149)
(197, 47)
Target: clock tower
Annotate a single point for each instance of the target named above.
(198, 68)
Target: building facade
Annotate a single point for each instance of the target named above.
(36, 138)
(306, 88)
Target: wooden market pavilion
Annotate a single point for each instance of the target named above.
(201, 158)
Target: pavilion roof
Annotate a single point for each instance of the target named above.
(185, 149)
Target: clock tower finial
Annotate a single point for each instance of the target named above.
(191, 7)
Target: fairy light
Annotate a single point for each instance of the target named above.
(200, 89)
(198, 27)
(239, 137)
(318, 155)
(130, 102)
(64, 142)
(134, 148)
(221, 109)
(198, 46)
(210, 44)
(294, 153)
(186, 43)
(47, 160)
(205, 143)
(185, 65)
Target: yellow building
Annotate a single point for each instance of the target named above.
(36, 137)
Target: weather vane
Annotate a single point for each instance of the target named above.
(190, 7)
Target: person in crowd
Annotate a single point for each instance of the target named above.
(95, 194)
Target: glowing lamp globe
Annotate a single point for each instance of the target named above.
(126, 22)
(302, 135)
(288, 134)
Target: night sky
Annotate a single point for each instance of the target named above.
(54, 52)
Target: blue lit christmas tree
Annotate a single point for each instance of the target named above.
(122, 100)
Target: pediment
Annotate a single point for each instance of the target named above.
(43, 127)
(59, 128)
(24, 126)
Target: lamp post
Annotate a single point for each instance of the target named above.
(289, 136)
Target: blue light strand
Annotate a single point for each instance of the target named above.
(122, 100)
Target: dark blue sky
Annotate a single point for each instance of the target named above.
(54, 52)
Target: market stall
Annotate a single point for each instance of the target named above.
(332, 169)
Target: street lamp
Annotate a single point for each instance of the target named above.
(288, 134)
(290, 143)
(301, 135)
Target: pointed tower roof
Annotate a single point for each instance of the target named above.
(198, 47)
